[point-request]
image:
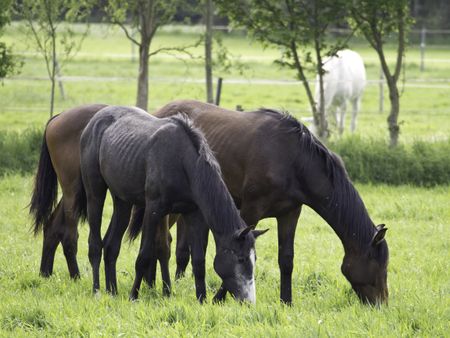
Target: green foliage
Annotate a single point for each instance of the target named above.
(296, 27)
(373, 161)
(366, 160)
(156, 13)
(19, 150)
(47, 22)
(378, 19)
(8, 63)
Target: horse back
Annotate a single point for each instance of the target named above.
(135, 153)
(255, 153)
(62, 135)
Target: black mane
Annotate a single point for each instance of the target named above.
(349, 209)
(198, 140)
(223, 216)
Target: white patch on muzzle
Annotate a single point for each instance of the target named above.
(249, 290)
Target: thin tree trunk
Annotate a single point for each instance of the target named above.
(208, 51)
(323, 123)
(392, 120)
(53, 74)
(322, 127)
(60, 83)
(302, 77)
(142, 89)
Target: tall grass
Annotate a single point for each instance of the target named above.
(19, 151)
(369, 160)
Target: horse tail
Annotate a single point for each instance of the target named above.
(135, 225)
(80, 205)
(45, 190)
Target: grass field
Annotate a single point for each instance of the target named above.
(105, 58)
(324, 305)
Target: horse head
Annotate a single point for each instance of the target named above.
(235, 263)
(367, 271)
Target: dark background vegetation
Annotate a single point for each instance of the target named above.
(367, 160)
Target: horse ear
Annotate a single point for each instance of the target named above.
(243, 232)
(380, 226)
(379, 235)
(257, 233)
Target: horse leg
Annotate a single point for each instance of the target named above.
(182, 249)
(95, 209)
(287, 224)
(356, 105)
(112, 241)
(198, 239)
(70, 236)
(147, 251)
(163, 255)
(343, 109)
(52, 237)
(150, 276)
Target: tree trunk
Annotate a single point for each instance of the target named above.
(60, 83)
(392, 120)
(142, 89)
(208, 50)
(53, 72)
(301, 76)
(322, 127)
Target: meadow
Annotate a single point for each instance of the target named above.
(323, 303)
(418, 218)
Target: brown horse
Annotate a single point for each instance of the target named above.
(60, 162)
(272, 165)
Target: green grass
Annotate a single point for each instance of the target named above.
(107, 53)
(324, 305)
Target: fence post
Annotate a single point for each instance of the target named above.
(423, 34)
(381, 86)
(219, 90)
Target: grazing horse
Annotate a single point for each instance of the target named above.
(60, 162)
(162, 166)
(272, 165)
(344, 80)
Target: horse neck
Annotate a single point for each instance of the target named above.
(212, 197)
(345, 212)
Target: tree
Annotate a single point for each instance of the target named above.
(209, 13)
(8, 63)
(48, 22)
(377, 20)
(145, 17)
(293, 25)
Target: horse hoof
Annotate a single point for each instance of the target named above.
(133, 296)
(45, 274)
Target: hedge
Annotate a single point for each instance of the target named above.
(421, 163)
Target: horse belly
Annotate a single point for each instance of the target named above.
(124, 171)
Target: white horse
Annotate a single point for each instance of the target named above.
(344, 80)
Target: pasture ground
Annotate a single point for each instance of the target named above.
(324, 305)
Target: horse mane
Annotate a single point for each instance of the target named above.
(208, 176)
(351, 214)
(198, 140)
